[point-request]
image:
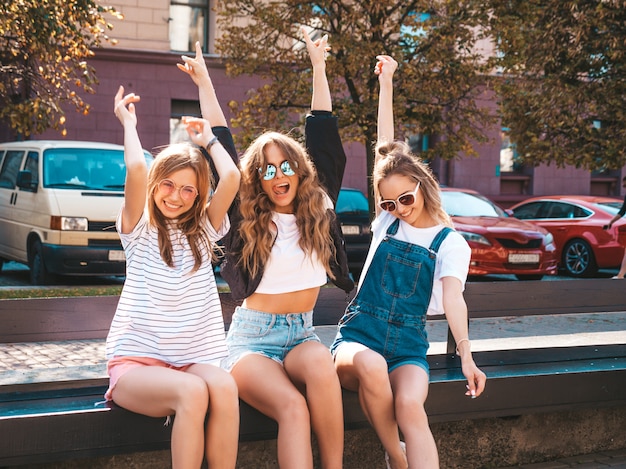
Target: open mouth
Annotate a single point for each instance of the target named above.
(281, 189)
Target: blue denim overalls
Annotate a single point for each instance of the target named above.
(388, 314)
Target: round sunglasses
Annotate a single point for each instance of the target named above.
(270, 170)
(187, 192)
(408, 198)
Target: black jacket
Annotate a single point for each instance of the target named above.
(324, 146)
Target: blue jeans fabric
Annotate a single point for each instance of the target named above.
(388, 314)
(267, 334)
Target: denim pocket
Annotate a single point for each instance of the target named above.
(400, 276)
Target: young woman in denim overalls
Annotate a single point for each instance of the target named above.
(417, 265)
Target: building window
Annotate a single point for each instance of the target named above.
(510, 161)
(182, 108)
(189, 22)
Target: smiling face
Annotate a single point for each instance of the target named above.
(170, 203)
(393, 187)
(281, 189)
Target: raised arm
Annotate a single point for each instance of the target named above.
(209, 105)
(320, 99)
(136, 168)
(201, 134)
(385, 68)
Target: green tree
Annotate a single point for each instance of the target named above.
(439, 85)
(44, 48)
(563, 85)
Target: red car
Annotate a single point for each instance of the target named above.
(577, 224)
(500, 244)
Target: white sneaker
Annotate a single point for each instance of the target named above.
(617, 276)
(403, 446)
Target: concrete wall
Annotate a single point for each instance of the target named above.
(483, 443)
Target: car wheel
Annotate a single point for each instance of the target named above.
(39, 275)
(578, 259)
(529, 277)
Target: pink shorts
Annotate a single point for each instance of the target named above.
(117, 366)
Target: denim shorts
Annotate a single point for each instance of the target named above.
(267, 334)
(398, 343)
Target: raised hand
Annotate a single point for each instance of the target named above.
(317, 49)
(124, 107)
(195, 67)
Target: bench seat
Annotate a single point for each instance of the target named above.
(55, 421)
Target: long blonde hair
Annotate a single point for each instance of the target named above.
(312, 216)
(174, 158)
(395, 158)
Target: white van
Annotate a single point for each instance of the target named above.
(58, 204)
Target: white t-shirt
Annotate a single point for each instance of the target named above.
(289, 268)
(453, 256)
(167, 313)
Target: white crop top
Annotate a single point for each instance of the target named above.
(289, 268)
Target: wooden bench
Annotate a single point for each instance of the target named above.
(44, 422)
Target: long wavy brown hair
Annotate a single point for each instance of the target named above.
(395, 158)
(191, 223)
(312, 216)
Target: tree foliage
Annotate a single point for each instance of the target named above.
(439, 83)
(563, 87)
(44, 47)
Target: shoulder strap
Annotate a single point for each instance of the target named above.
(436, 244)
(393, 228)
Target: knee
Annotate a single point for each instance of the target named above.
(411, 407)
(193, 395)
(223, 388)
(321, 369)
(294, 409)
(372, 371)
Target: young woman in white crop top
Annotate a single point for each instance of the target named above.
(280, 250)
(167, 338)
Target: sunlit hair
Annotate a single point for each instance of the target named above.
(395, 158)
(312, 217)
(171, 159)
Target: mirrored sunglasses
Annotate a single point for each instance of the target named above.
(187, 192)
(270, 170)
(408, 198)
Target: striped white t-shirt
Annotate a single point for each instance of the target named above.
(170, 314)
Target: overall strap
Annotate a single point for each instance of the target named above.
(393, 228)
(436, 244)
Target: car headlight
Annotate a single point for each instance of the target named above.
(69, 223)
(474, 238)
(548, 239)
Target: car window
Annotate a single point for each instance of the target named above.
(91, 168)
(609, 207)
(10, 168)
(351, 201)
(530, 211)
(560, 210)
(463, 204)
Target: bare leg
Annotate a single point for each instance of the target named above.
(622, 269)
(159, 392)
(264, 384)
(310, 367)
(410, 388)
(222, 431)
(363, 370)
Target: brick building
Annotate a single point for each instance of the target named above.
(153, 35)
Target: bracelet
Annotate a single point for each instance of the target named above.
(212, 142)
(460, 342)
